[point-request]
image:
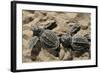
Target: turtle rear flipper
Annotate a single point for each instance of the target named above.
(33, 41)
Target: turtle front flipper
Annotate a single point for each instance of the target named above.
(33, 41)
(35, 45)
(35, 51)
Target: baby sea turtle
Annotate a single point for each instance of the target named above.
(76, 43)
(46, 37)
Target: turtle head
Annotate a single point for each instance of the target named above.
(37, 31)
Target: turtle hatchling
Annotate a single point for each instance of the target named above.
(47, 38)
(78, 44)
